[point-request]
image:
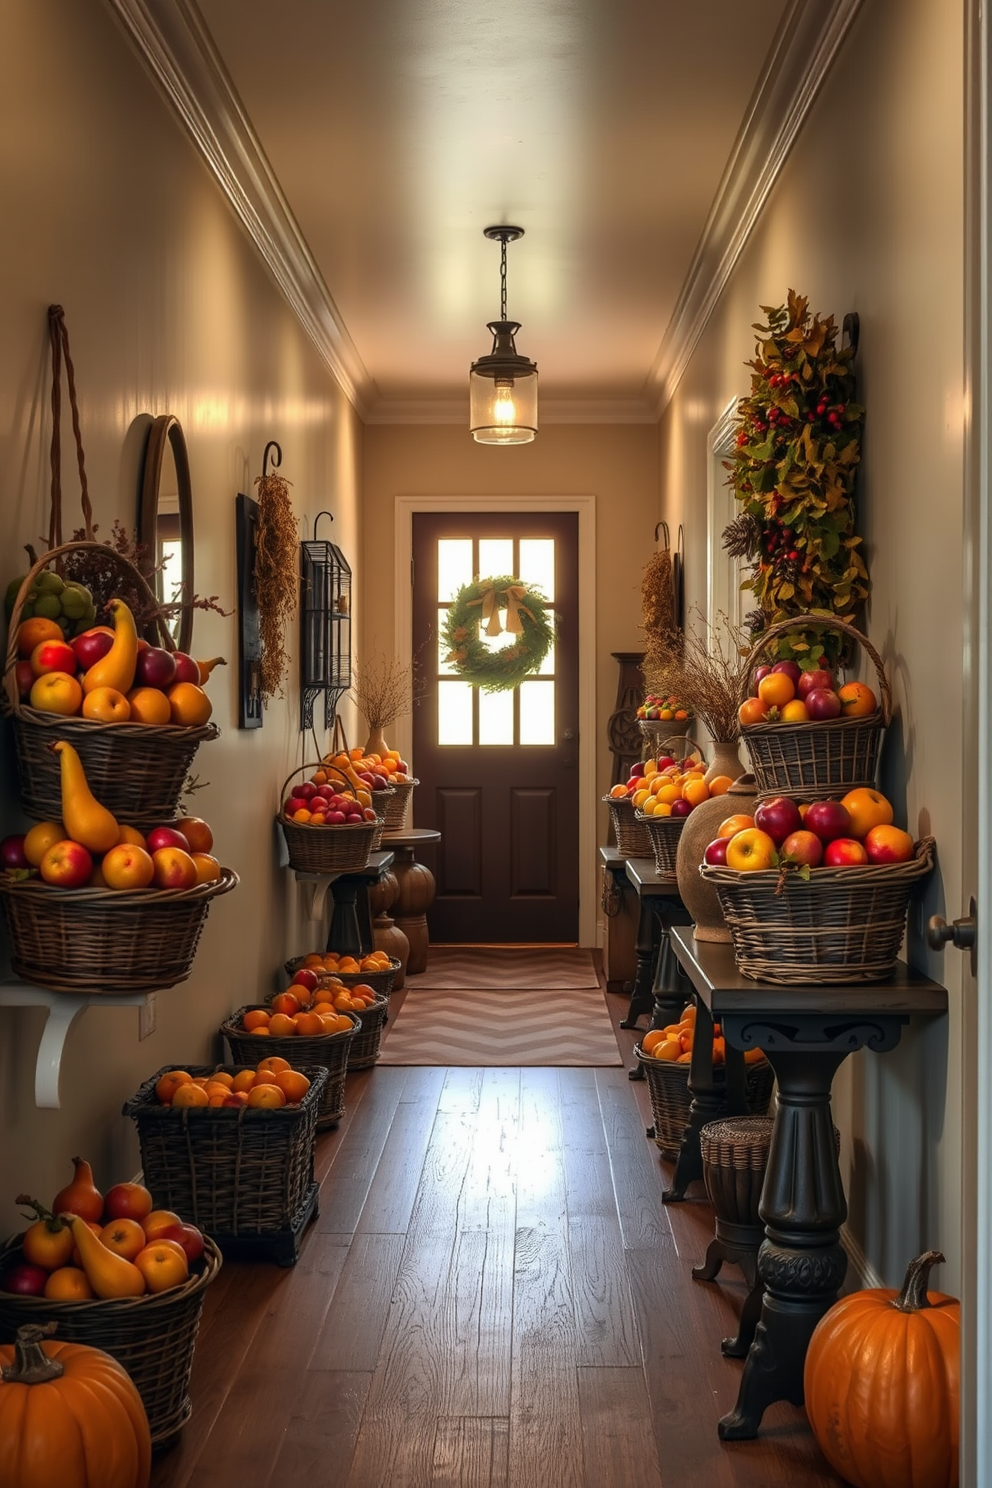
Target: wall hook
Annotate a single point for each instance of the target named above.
(317, 519)
(276, 458)
(657, 528)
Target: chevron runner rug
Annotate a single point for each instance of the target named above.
(505, 969)
(497, 1030)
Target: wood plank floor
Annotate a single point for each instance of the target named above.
(493, 1296)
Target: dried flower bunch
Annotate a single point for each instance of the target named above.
(276, 578)
(104, 580)
(709, 674)
(385, 689)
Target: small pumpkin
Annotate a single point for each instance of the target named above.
(70, 1416)
(882, 1384)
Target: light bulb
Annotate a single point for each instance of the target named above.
(504, 408)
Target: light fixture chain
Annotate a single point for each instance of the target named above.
(502, 279)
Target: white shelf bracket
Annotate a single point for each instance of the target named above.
(63, 1010)
(315, 887)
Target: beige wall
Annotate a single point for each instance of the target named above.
(868, 216)
(108, 210)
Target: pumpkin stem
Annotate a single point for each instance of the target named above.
(913, 1296)
(31, 1365)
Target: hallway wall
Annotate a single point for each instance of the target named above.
(869, 216)
(109, 211)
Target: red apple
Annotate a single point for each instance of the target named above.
(53, 656)
(803, 847)
(186, 668)
(159, 1220)
(716, 853)
(812, 681)
(127, 1201)
(163, 1264)
(12, 853)
(790, 668)
(337, 817)
(665, 763)
(888, 844)
(821, 704)
(759, 674)
(92, 646)
(828, 819)
(174, 869)
(778, 816)
(24, 1280)
(160, 837)
(681, 807)
(197, 833)
(188, 1237)
(306, 790)
(844, 852)
(305, 977)
(156, 667)
(400, 767)
(24, 676)
(67, 865)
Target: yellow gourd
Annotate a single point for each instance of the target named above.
(117, 668)
(109, 1275)
(86, 821)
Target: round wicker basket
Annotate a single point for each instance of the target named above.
(396, 807)
(320, 1050)
(327, 849)
(380, 981)
(668, 1087)
(106, 940)
(136, 770)
(632, 837)
(664, 833)
(152, 1337)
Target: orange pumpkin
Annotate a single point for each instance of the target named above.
(69, 1415)
(881, 1384)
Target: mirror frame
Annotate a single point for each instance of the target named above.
(166, 428)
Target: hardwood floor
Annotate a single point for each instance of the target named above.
(493, 1296)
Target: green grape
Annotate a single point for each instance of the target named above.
(49, 583)
(48, 605)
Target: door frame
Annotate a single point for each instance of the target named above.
(404, 508)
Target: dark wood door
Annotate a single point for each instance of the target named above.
(499, 771)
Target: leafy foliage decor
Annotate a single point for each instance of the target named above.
(477, 607)
(793, 469)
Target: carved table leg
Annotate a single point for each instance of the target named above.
(646, 946)
(707, 1103)
(350, 932)
(672, 988)
(414, 899)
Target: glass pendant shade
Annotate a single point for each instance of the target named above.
(503, 391)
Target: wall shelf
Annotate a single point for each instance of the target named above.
(63, 1010)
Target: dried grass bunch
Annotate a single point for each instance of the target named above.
(385, 689)
(707, 672)
(658, 596)
(276, 578)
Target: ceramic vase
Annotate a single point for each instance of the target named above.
(726, 760)
(376, 743)
(701, 826)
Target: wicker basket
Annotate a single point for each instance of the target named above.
(397, 804)
(632, 837)
(843, 925)
(136, 770)
(327, 1051)
(363, 1051)
(325, 849)
(817, 760)
(668, 1087)
(106, 940)
(152, 1337)
(380, 981)
(663, 833)
(234, 1171)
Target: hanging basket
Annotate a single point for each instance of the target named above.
(817, 760)
(326, 849)
(136, 770)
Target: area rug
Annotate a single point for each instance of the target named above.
(505, 969)
(496, 1030)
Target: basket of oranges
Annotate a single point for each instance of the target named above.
(665, 794)
(376, 969)
(299, 1031)
(806, 734)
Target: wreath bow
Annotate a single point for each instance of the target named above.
(491, 608)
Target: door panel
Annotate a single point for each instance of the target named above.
(499, 771)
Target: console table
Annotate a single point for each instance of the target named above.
(655, 989)
(806, 1032)
(350, 932)
(416, 890)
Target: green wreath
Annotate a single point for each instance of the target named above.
(527, 618)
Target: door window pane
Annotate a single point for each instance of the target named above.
(498, 642)
(537, 713)
(547, 667)
(454, 713)
(495, 557)
(537, 564)
(454, 566)
(495, 717)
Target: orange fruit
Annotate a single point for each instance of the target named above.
(753, 710)
(207, 868)
(653, 1037)
(328, 1022)
(214, 1090)
(68, 1284)
(720, 784)
(719, 1051)
(753, 1056)
(341, 1022)
(221, 1077)
(57, 692)
(106, 705)
(795, 712)
(191, 1095)
(696, 791)
(776, 689)
(217, 1100)
(314, 959)
(670, 1051)
(618, 792)
(189, 705)
(266, 1096)
(286, 1002)
(31, 633)
(307, 1025)
(856, 700)
(684, 1058)
(735, 824)
(256, 1018)
(272, 1064)
(343, 1002)
(166, 1085)
(281, 1025)
(243, 1080)
(260, 1032)
(293, 1084)
(132, 836)
(149, 705)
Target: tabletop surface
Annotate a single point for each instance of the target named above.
(612, 857)
(648, 881)
(374, 869)
(713, 972)
(411, 838)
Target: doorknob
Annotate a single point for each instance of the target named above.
(961, 933)
(568, 735)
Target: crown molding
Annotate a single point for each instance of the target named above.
(808, 40)
(551, 411)
(172, 39)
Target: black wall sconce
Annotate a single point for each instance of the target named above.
(325, 617)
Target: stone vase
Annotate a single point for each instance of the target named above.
(726, 760)
(376, 743)
(701, 826)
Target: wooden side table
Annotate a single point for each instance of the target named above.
(656, 989)
(807, 1033)
(620, 914)
(416, 891)
(350, 932)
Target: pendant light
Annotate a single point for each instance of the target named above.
(503, 385)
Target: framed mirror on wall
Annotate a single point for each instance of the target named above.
(165, 523)
(725, 572)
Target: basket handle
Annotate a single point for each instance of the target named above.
(10, 676)
(321, 766)
(825, 622)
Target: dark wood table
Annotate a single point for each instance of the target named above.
(657, 988)
(416, 890)
(807, 1033)
(620, 915)
(350, 932)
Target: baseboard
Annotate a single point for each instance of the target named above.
(861, 1268)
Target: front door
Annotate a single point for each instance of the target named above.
(499, 771)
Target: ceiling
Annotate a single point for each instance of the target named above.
(366, 145)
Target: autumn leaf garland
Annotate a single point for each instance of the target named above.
(797, 450)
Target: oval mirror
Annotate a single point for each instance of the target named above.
(165, 524)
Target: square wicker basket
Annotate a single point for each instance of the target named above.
(328, 1051)
(632, 837)
(664, 833)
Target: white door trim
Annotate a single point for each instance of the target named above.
(403, 510)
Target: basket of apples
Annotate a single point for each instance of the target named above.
(136, 713)
(305, 1027)
(817, 892)
(95, 905)
(119, 1274)
(329, 824)
(668, 793)
(805, 734)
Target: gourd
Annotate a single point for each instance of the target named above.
(81, 1196)
(69, 1416)
(85, 820)
(882, 1384)
(117, 668)
(109, 1274)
